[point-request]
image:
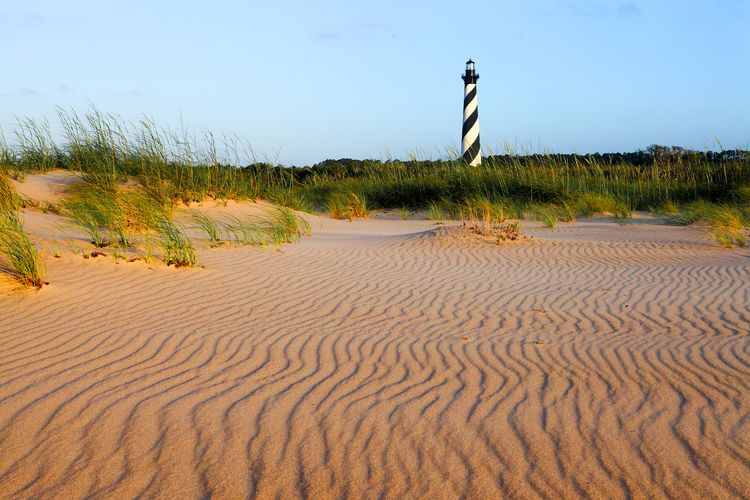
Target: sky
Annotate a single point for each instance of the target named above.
(302, 81)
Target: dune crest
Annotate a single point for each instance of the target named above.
(385, 359)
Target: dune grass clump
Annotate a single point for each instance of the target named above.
(589, 204)
(338, 210)
(566, 212)
(90, 213)
(177, 249)
(510, 231)
(9, 198)
(350, 206)
(281, 225)
(479, 214)
(209, 226)
(247, 231)
(289, 198)
(666, 208)
(435, 212)
(26, 264)
(546, 214)
(285, 226)
(622, 212)
(111, 215)
(728, 225)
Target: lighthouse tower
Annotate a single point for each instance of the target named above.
(470, 134)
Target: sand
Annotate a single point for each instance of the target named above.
(385, 358)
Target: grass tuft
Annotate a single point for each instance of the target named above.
(26, 264)
(209, 226)
(177, 249)
(546, 214)
(9, 198)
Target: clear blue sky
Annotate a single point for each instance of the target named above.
(307, 80)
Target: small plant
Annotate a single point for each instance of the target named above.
(435, 212)
(404, 213)
(148, 253)
(566, 212)
(247, 232)
(26, 264)
(118, 252)
(589, 204)
(741, 194)
(357, 206)
(668, 207)
(89, 211)
(56, 250)
(177, 249)
(622, 212)
(510, 231)
(728, 239)
(546, 215)
(350, 207)
(290, 198)
(285, 226)
(209, 226)
(9, 199)
(337, 210)
(282, 225)
(728, 225)
(296, 223)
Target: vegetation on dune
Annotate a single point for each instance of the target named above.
(177, 248)
(9, 199)
(211, 227)
(281, 225)
(171, 167)
(174, 167)
(348, 206)
(728, 225)
(26, 264)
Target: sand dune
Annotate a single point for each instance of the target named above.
(387, 359)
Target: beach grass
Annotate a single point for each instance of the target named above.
(177, 248)
(175, 167)
(728, 225)
(9, 198)
(26, 264)
(211, 227)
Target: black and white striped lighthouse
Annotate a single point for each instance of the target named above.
(470, 134)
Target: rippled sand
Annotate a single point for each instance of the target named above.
(386, 359)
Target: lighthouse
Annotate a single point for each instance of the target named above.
(470, 134)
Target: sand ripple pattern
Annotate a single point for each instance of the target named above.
(389, 366)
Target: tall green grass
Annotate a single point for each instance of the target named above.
(211, 227)
(281, 225)
(112, 215)
(183, 166)
(728, 225)
(9, 198)
(177, 248)
(26, 264)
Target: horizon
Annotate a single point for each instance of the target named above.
(380, 80)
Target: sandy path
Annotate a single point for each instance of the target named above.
(383, 359)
